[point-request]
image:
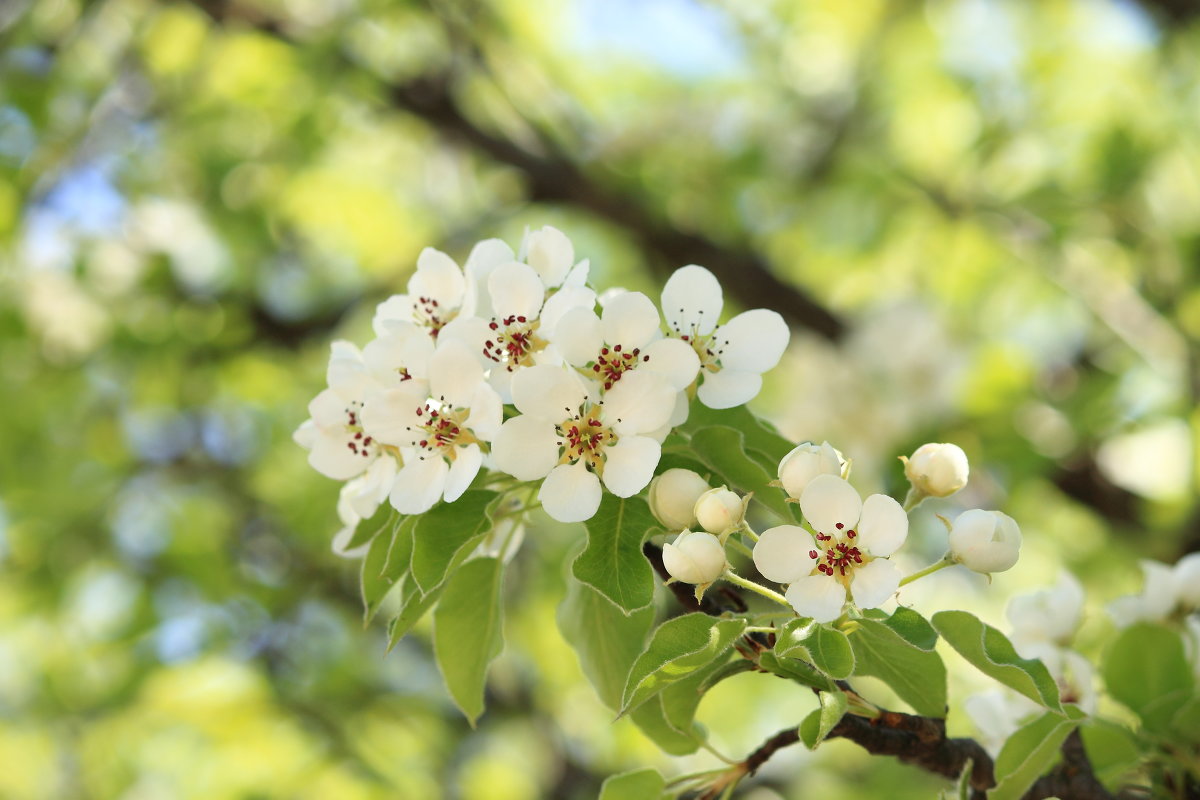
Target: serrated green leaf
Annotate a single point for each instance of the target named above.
(794, 670)
(642, 784)
(817, 725)
(993, 654)
(467, 631)
(826, 648)
(612, 563)
(915, 674)
(678, 648)
(1147, 669)
(384, 565)
(606, 640)
(445, 535)
(722, 449)
(915, 629)
(1028, 754)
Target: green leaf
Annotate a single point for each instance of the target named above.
(827, 648)
(651, 719)
(1029, 753)
(445, 535)
(642, 784)
(678, 648)
(1146, 669)
(799, 671)
(384, 520)
(612, 563)
(1113, 749)
(993, 654)
(413, 605)
(763, 442)
(1186, 721)
(915, 673)
(817, 725)
(722, 449)
(467, 632)
(384, 565)
(669, 717)
(912, 627)
(606, 640)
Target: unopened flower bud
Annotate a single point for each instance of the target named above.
(673, 497)
(720, 511)
(805, 462)
(937, 470)
(985, 541)
(695, 557)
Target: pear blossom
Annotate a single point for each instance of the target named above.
(846, 556)
(805, 462)
(625, 336)
(997, 715)
(673, 497)
(339, 446)
(937, 469)
(985, 541)
(550, 252)
(1166, 591)
(695, 557)
(575, 440)
(732, 356)
(359, 499)
(720, 511)
(439, 425)
(1050, 615)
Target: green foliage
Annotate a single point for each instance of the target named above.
(446, 534)
(677, 649)
(1029, 753)
(828, 649)
(606, 639)
(1147, 670)
(642, 784)
(902, 656)
(796, 670)
(992, 653)
(612, 563)
(385, 563)
(468, 631)
(817, 725)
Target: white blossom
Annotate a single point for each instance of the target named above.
(359, 499)
(720, 511)
(937, 469)
(732, 356)
(673, 497)
(695, 557)
(574, 440)
(997, 715)
(1051, 615)
(985, 541)
(805, 462)
(1166, 591)
(847, 557)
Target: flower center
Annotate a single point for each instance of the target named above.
(840, 556)
(514, 342)
(611, 364)
(442, 429)
(585, 437)
(708, 346)
(359, 443)
(431, 315)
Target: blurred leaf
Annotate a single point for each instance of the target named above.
(385, 563)
(1147, 669)
(642, 784)
(467, 631)
(992, 653)
(1028, 754)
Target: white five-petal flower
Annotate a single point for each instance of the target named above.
(846, 556)
(574, 440)
(732, 356)
(359, 499)
(1166, 590)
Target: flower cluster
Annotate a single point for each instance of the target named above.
(511, 362)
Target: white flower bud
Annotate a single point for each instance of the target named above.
(720, 511)
(805, 462)
(695, 557)
(673, 497)
(985, 541)
(938, 470)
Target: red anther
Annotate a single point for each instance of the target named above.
(645, 358)
(684, 338)
(358, 436)
(617, 347)
(813, 554)
(839, 525)
(520, 319)
(595, 367)
(851, 534)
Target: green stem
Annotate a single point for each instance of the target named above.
(760, 629)
(741, 548)
(738, 580)
(932, 568)
(913, 498)
(749, 531)
(694, 776)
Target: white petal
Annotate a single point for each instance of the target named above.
(464, 469)
(639, 403)
(630, 320)
(526, 448)
(331, 457)
(471, 331)
(728, 388)
(454, 374)
(347, 374)
(817, 596)
(516, 290)
(437, 278)
(570, 493)
(828, 501)
(629, 464)
(396, 309)
(406, 347)
(578, 275)
(674, 359)
(551, 393)
(873, 584)
(564, 300)
(419, 485)
(752, 341)
(341, 540)
(391, 415)
(781, 554)
(328, 409)
(550, 252)
(306, 434)
(364, 494)
(882, 527)
(487, 412)
(692, 300)
(487, 255)
(578, 336)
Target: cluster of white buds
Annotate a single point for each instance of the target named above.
(681, 499)
(419, 412)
